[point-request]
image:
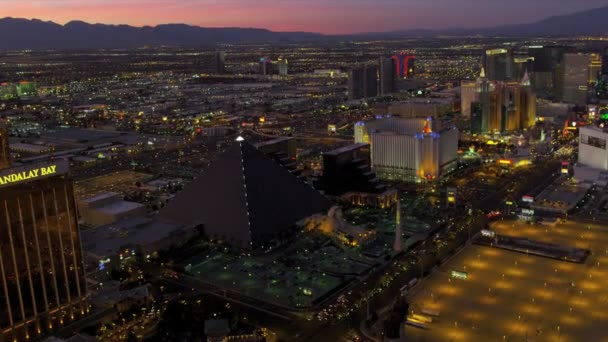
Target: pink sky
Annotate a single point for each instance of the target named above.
(326, 16)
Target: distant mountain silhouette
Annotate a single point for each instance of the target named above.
(36, 34)
(590, 22)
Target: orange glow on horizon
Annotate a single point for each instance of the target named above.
(275, 16)
(329, 17)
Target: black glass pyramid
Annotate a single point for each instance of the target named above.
(245, 199)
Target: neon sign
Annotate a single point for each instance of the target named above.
(23, 174)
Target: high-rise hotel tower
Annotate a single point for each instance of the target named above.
(42, 282)
(5, 154)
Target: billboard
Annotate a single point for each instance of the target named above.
(528, 199)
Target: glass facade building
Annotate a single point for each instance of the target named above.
(42, 282)
(5, 155)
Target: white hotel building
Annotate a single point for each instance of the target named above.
(592, 150)
(592, 166)
(413, 149)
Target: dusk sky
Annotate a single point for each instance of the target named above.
(325, 16)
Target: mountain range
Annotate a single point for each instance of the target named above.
(35, 34)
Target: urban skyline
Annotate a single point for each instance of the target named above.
(179, 183)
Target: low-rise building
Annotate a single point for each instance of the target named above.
(108, 207)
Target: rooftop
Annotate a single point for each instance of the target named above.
(32, 148)
(347, 148)
(119, 207)
(99, 197)
(108, 240)
(594, 128)
(78, 135)
(273, 141)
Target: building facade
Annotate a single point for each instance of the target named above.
(547, 59)
(5, 153)
(573, 76)
(348, 169)
(505, 106)
(283, 66)
(387, 83)
(220, 62)
(498, 64)
(595, 68)
(41, 268)
(592, 147)
(409, 149)
(363, 83)
(468, 95)
(265, 66)
(527, 103)
(521, 66)
(476, 117)
(484, 100)
(605, 62)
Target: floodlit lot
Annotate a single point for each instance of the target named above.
(511, 296)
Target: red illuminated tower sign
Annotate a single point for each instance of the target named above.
(405, 64)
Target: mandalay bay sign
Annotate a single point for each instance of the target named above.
(23, 174)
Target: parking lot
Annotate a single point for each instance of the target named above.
(510, 296)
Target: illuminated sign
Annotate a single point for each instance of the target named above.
(592, 112)
(488, 233)
(528, 199)
(493, 214)
(527, 212)
(24, 174)
(460, 275)
(505, 162)
(496, 51)
(522, 59)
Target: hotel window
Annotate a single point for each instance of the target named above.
(596, 142)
